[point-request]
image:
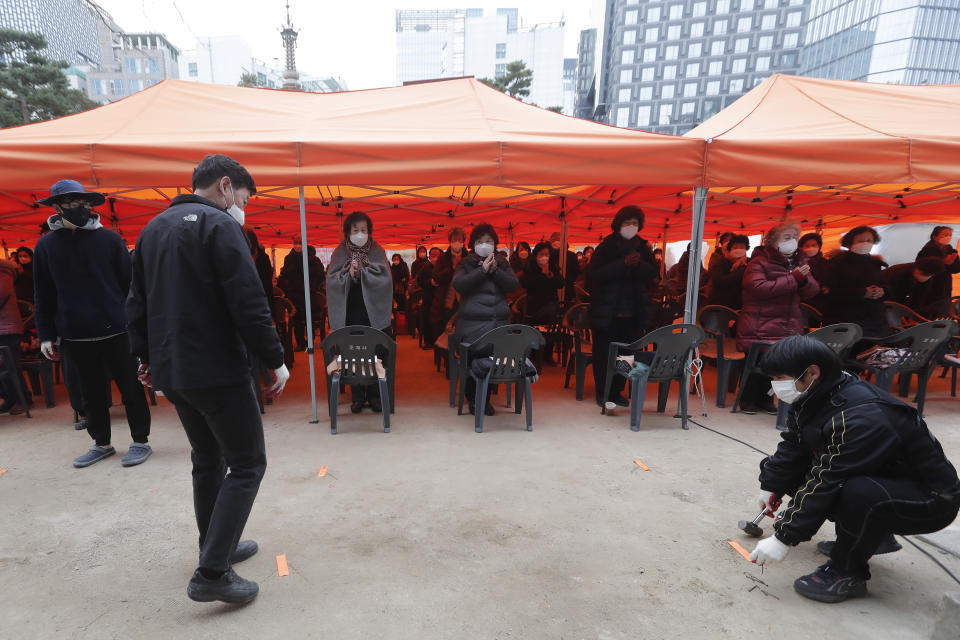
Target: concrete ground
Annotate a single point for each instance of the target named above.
(434, 531)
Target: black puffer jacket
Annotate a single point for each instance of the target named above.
(483, 297)
(612, 282)
(848, 428)
(848, 276)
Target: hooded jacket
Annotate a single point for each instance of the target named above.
(81, 277)
(846, 428)
(771, 298)
(196, 302)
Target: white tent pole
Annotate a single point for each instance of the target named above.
(307, 300)
(693, 275)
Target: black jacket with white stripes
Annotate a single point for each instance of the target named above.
(843, 429)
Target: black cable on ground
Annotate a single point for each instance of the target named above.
(930, 555)
(721, 433)
(747, 444)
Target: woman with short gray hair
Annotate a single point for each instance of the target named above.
(776, 280)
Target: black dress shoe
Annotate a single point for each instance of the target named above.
(227, 588)
(375, 405)
(488, 409)
(356, 407)
(619, 400)
(747, 408)
(768, 407)
(245, 549)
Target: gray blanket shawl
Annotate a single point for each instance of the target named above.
(377, 283)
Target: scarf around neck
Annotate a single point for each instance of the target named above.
(360, 254)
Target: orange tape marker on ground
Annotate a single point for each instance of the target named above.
(322, 472)
(739, 549)
(2, 471)
(641, 465)
(282, 568)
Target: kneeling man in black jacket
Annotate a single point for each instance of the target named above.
(852, 454)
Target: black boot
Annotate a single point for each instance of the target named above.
(227, 588)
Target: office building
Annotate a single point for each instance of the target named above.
(130, 62)
(569, 85)
(69, 26)
(670, 64)
(906, 41)
(585, 101)
(430, 43)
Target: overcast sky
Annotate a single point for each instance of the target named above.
(352, 39)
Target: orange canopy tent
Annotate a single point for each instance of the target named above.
(460, 152)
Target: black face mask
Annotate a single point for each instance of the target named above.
(77, 216)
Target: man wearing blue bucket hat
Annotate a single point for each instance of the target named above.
(81, 280)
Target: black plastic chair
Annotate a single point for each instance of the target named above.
(577, 322)
(839, 337)
(357, 346)
(811, 317)
(751, 365)
(720, 325)
(509, 348)
(674, 345)
(900, 316)
(10, 377)
(923, 344)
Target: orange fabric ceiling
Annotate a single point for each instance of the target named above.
(490, 157)
(828, 132)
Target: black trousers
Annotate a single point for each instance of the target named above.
(870, 508)
(225, 431)
(72, 382)
(10, 394)
(95, 362)
(620, 330)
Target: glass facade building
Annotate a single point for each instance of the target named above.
(896, 41)
(586, 80)
(430, 42)
(670, 64)
(70, 27)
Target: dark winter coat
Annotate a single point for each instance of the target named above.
(725, 283)
(573, 269)
(819, 267)
(847, 428)
(902, 287)
(24, 282)
(612, 282)
(443, 275)
(483, 297)
(81, 280)
(10, 322)
(542, 296)
(196, 303)
(771, 298)
(291, 278)
(942, 287)
(848, 276)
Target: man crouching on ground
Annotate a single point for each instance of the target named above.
(852, 454)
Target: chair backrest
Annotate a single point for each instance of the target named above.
(577, 317)
(900, 316)
(839, 337)
(673, 345)
(955, 307)
(26, 314)
(718, 320)
(923, 342)
(357, 346)
(810, 316)
(509, 346)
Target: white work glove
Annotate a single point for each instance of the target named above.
(280, 377)
(768, 500)
(49, 350)
(769, 550)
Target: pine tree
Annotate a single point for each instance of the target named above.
(515, 82)
(32, 87)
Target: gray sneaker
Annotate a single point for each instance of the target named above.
(136, 454)
(95, 454)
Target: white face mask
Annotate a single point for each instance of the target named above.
(358, 239)
(786, 390)
(788, 247)
(811, 251)
(483, 249)
(235, 212)
(629, 232)
(542, 260)
(738, 253)
(863, 248)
